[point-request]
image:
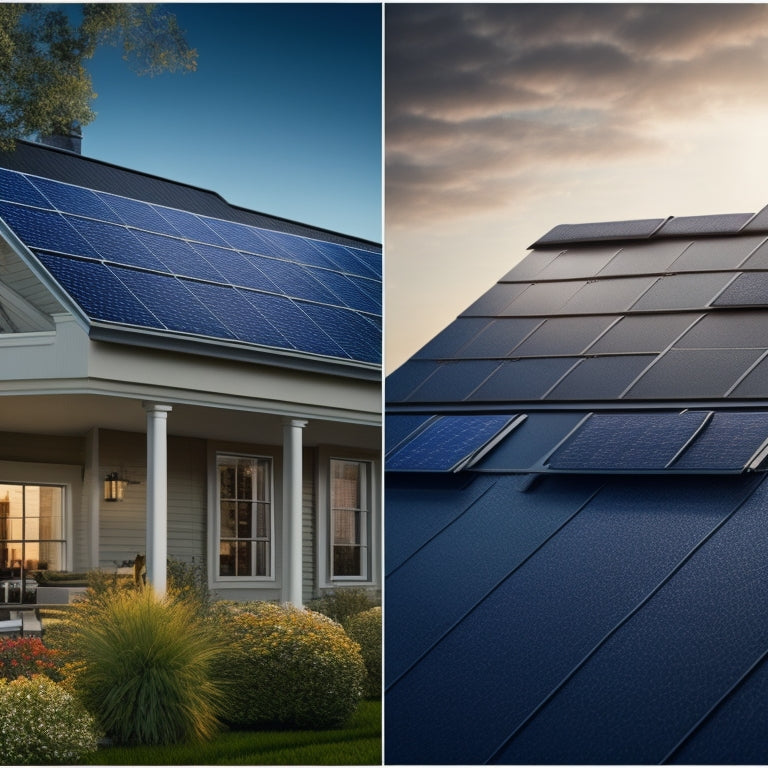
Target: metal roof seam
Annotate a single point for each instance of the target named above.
(633, 612)
(495, 586)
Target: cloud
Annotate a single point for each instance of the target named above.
(480, 98)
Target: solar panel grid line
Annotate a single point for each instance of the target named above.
(497, 753)
(103, 199)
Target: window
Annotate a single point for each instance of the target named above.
(246, 541)
(350, 519)
(31, 528)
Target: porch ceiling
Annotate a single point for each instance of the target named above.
(76, 414)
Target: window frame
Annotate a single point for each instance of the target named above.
(216, 538)
(325, 577)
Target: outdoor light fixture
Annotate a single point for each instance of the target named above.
(114, 487)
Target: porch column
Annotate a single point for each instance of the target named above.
(157, 494)
(95, 493)
(292, 472)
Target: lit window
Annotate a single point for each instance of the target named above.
(350, 519)
(245, 516)
(31, 528)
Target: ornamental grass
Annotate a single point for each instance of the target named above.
(143, 666)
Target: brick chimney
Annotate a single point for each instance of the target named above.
(70, 139)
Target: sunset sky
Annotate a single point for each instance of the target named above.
(502, 121)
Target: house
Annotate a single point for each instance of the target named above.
(183, 378)
(577, 507)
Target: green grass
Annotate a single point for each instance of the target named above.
(358, 743)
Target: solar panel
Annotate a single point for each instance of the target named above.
(451, 339)
(164, 256)
(564, 335)
(750, 288)
(454, 381)
(694, 373)
(600, 378)
(400, 426)
(695, 291)
(524, 379)
(447, 444)
(627, 441)
(729, 442)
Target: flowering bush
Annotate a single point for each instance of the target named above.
(289, 667)
(365, 629)
(40, 723)
(27, 656)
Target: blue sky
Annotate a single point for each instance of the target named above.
(282, 116)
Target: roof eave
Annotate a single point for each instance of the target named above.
(227, 350)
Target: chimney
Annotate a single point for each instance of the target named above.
(70, 139)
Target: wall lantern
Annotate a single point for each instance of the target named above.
(114, 487)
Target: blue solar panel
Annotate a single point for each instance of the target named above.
(173, 245)
(115, 243)
(400, 426)
(178, 256)
(351, 331)
(451, 339)
(18, 189)
(627, 441)
(45, 229)
(138, 214)
(174, 305)
(729, 442)
(293, 280)
(193, 227)
(350, 293)
(97, 292)
(447, 443)
(238, 314)
(295, 325)
(70, 199)
(244, 238)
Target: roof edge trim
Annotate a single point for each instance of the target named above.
(217, 348)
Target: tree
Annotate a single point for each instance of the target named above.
(45, 87)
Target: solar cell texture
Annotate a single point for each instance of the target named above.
(170, 270)
(445, 443)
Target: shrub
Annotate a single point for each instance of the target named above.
(142, 665)
(27, 656)
(289, 667)
(189, 581)
(40, 723)
(343, 603)
(365, 629)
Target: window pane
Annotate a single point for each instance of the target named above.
(345, 485)
(243, 552)
(245, 516)
(262, 558)
(244, 521)
(346, 527)
(228, 512)
(227, 481)
(346, 561)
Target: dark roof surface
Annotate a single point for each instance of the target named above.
(575, 504)
(135, 252)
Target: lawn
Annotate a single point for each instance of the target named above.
(359, 743)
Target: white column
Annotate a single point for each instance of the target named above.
(157, 494)
(292, 472)
(95, 494)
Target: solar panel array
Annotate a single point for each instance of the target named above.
(139, 264)
(678, 319)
